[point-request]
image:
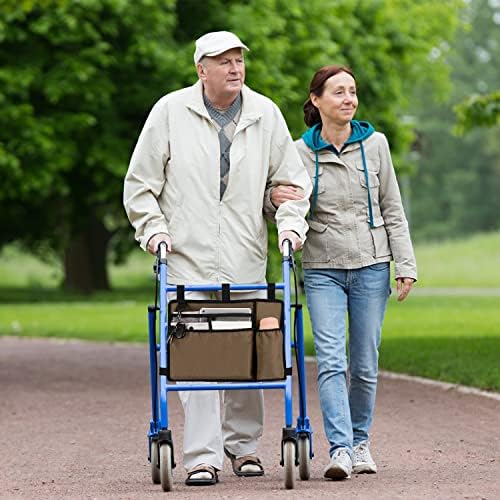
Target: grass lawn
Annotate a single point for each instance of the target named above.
(449, 338)
(100, 321)
(472, 262)
(453, 339)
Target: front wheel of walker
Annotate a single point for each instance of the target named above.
(155, 470)
(166, 479)
(304, 458)
(289, 464)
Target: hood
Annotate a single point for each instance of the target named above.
(359, 132)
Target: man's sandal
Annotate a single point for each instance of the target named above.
(242, 464)
(202, 475)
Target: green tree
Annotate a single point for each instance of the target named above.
(77, 79)
(478, 111)
(455, 190)
(387, 44)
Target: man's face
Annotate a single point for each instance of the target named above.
(223, 74)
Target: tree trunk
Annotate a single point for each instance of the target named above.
(85, 268)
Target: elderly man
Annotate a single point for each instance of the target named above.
(198, 179)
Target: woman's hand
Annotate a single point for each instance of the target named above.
(403, 287)
(282, 193)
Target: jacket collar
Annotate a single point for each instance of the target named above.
(327, 156)
(250, 110)
(360, 131)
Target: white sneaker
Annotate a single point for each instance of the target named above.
(340, 465)
(363, 461)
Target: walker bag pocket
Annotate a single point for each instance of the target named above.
(221, 341)
(216, 355)
(269, 349)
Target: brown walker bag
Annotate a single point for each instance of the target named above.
(231, 355)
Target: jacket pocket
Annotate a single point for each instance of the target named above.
(380, 239)
(316, 245)
(372, 179)
(373, 167)
(372, 162)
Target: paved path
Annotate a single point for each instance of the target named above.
(74, 417)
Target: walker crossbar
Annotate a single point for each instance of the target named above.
(218, 287)
(229, 386)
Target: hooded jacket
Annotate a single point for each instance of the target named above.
(173, 186)
(357, 217)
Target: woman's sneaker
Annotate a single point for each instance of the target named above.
(340, 465)
(363, 461)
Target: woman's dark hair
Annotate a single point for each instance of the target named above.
(311, 113)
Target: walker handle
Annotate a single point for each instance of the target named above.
(162, 251)
(287, 248)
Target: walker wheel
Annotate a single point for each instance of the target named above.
(166, 479)
(155, 470)
(304, 458)
(289, 464)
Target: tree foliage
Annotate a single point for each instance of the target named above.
(478, 111)
(390, 46)
(455, 190)
(77, 79)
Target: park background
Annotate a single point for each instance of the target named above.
(77, 79)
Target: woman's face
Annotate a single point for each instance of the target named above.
(338, 102)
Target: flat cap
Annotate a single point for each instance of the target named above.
(215, 43)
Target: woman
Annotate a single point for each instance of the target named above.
(357, 226)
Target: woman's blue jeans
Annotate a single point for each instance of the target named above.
(347, 401)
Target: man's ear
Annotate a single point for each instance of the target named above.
(200, 69)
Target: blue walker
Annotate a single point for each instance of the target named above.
(296, 442)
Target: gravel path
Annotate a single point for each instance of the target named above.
(74, 418)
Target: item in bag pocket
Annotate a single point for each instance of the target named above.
(229, 318)
(269, 323)
(187, 317)
(226, 313)
(196, 326)
(231, 325)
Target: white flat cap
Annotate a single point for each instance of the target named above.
(215, 43)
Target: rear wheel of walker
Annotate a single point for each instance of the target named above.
(166, 479)
(155, 470)
(304, 458)
(289, 464)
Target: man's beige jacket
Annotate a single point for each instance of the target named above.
(339, 230)
(173, 182)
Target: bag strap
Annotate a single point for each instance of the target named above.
(226, 295)
(181, 299)
(271, 291)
